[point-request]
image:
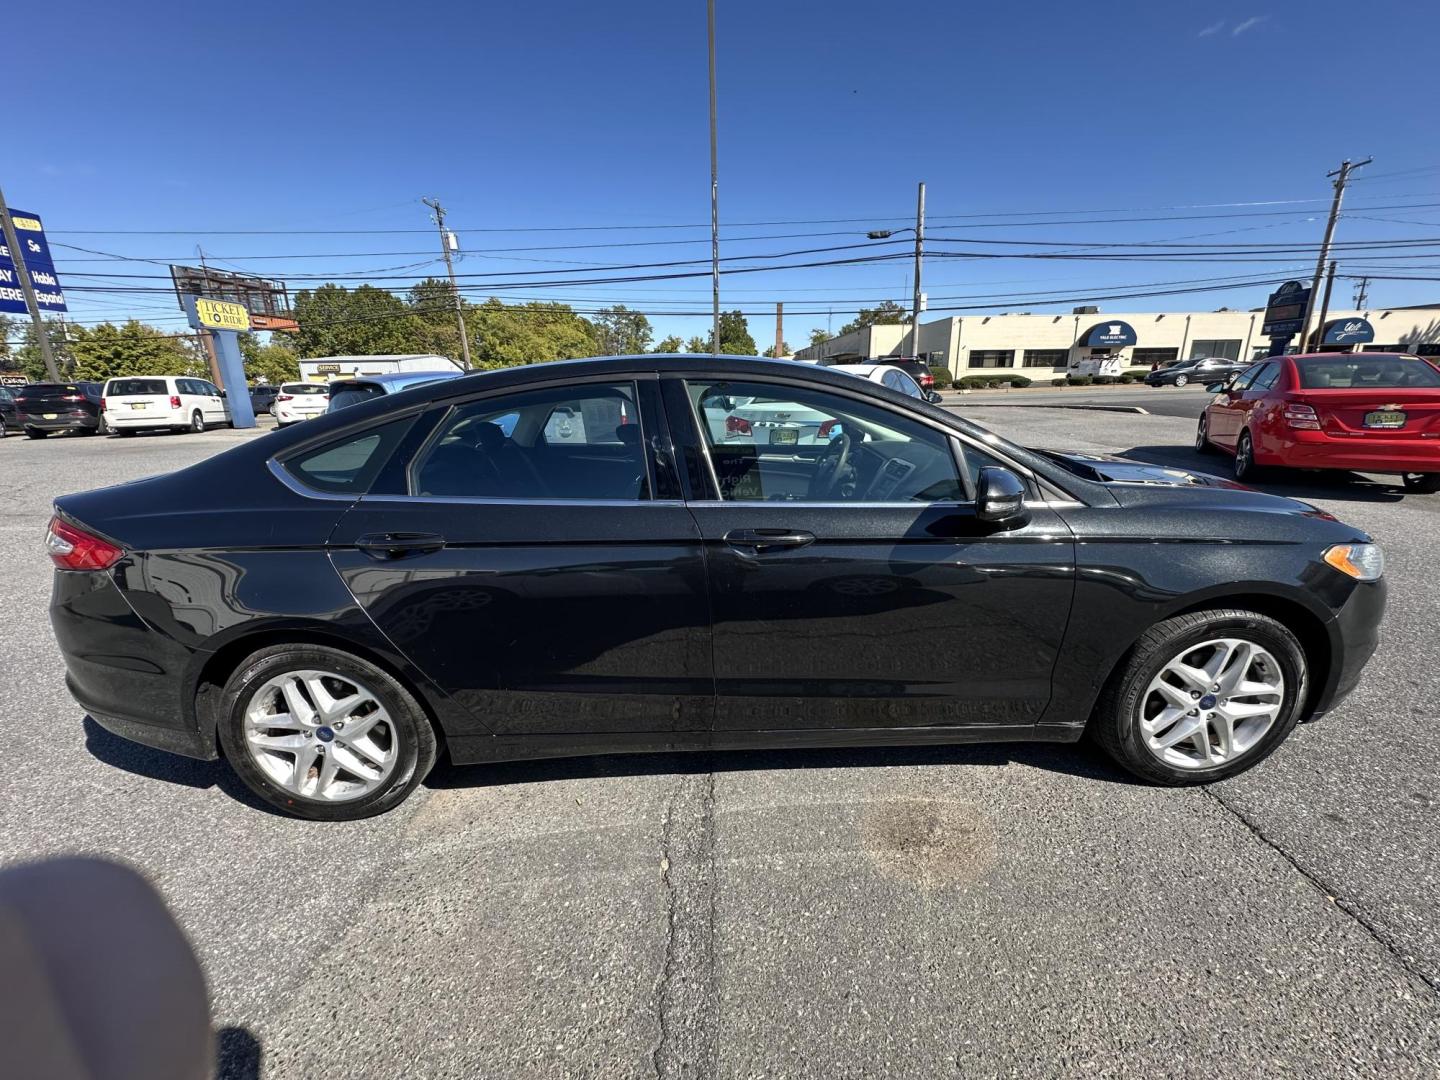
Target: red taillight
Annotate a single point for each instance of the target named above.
(174, 401)
(102, 404)
(284, 397)
(927, 381)
(1302, 416)
(75, 549)
(826, 427)
(737, 425)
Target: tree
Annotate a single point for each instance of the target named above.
(32, 361)
(274, 363)
(364, 321)
(818, 336)
(526, 333)
(735, 336)
(784, 350)
(621, 332)
(697, 344)
(671, 344)
(106, 351)
(888, 313)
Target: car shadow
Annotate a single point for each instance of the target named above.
(237, 1054)
(153, 764)
(1292, 483)
(1071, 759)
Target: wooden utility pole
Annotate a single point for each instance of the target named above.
(17, 256)
(1341, 175)
(919, 258)
(445, 240)
(1324, 307)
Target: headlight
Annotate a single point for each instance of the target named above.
(1363, 562)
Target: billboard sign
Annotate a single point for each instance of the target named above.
(217, 315)
(35, 250)
(1286, 310)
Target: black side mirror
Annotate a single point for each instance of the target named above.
(1216, 387)
(933, 397)
(1000, 497)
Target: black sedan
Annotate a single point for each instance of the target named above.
(596, 556)
(1203, 370)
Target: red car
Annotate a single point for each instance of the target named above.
(1366, 412)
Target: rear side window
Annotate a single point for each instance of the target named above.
(349, 465)
(126, 387)
(354, 395)
(1266, 379)
(1354, 371)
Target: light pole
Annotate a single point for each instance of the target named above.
(919, 231)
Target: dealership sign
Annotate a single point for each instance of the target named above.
(1349, 332)
(1286, 310)
(35, 250)
(1110, 335)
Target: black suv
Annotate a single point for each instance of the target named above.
(9, 414)
(47, 407)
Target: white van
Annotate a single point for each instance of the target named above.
(162, 402)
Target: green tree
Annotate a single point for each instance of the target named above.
(106, 351)
(888, 313)
(818, 336)
(735, 336)
(364, 321)
(506, 335)
(621, 332)
(32, 361)
(274, 363)
(784, 350)
(671, 344)
(697, 344)
(433, 300)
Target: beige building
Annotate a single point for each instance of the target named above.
(1044, 345)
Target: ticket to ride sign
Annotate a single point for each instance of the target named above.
(35, 250)
(220, 315)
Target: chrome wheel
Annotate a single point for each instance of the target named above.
(321, 736)
(1244, 457)
(1181, 380)
(1201, 438)
(1212, 704)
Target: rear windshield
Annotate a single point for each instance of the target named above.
(304, 388)
(1359, 372)
(137, 386)
(47, 389)
(354, 395)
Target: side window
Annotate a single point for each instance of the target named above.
(1245, 378)
(189, 386)
(573, 442)
(1266, 378)
(349, 465)
(780, 442)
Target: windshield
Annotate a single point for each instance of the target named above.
(1360, 372)
(136, 386)
(304, 388)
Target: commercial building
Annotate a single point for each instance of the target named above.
(322, 369)
(1086, 339)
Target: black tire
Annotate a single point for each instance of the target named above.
(416, 736)
(125, 433)
(36, 434)
(102, 427)
(1115, 724)
(1246, 470)
(1421, 483)
(1181, 380)
(1202, 436)
(4, 428)
(197, 423)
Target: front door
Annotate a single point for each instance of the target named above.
(851, 584)
(531, 557)
(1225, 416)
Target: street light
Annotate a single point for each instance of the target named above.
(919, 231)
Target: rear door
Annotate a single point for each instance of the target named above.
(852, 585)
(548, 577)
(214, 404)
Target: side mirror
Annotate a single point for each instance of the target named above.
(1000, 497)
(1216, 387)
(933, 397)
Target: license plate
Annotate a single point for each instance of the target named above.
(51, 416)
(784, 436)
(137, 405)
(1384, 418)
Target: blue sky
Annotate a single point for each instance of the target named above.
(1060, 120)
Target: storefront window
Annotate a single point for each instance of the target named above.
(1147, 357)
(1051, 358)
(1229, 348)
(992, 358)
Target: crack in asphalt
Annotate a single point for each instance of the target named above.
(1330, 893)
(686, 999)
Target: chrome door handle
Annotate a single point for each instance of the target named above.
(767, 539)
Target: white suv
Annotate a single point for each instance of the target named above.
(300, 401)
(162, 402)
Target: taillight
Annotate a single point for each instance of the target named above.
(737, 425)
(284, 397)
(826, 427)
(102, 404)
(1302, 416)
(174, 401)
(927, 381)
(75, 549)
(72, 397)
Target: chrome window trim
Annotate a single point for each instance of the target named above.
(488, 500)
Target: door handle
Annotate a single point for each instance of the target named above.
(398, 545)
(767, 539)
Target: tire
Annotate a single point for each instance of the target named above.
(1202, 436)
(1181, 380)
(197, 423)
(1245, 468)
(36, 434)
(4, 428)
(1117, 724)
(102, 427)
(1421, 483)
(406, 731)
(125, 433)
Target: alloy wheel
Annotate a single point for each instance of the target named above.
(197, 422)
(1200, 435)
(1181, 380)
(321, 735)
(1244, 457)
(1212, 703)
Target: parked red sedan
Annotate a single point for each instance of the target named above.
(1367, 412)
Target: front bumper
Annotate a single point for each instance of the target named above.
(1354, 635)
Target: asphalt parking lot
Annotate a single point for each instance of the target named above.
(1007, 910)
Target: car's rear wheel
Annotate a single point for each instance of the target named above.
(1202, 696)
(322, 734)
(197, 422)
(1181, 380)
(1202, 436)
(1245, 467)
(1422, 483)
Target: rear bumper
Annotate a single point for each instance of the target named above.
(1318, 450)
(147, 418)
(37, 422)
(1354, 635)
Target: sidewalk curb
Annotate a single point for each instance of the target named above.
(1132, 409)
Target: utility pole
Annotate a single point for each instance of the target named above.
(446, 239)
(1362, 293)
(18, 258)
(714, 189)
(1341, 175)
(207, 341)
(919, 257)
(1325, 306)
(779, 327)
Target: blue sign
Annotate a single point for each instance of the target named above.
(1348, 332)
(1286, 310)
(1109, 335)
(35, 250)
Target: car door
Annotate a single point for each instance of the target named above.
(551, 581)
(869, 596)
(1252, 396)
(1223, 414)
(214, 407)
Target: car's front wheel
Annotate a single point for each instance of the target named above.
(1202, 696)
(1422, 483)
(322, 734)
(1181, 380)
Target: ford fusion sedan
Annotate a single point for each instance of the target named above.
(1360, 412)
(571, 558)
